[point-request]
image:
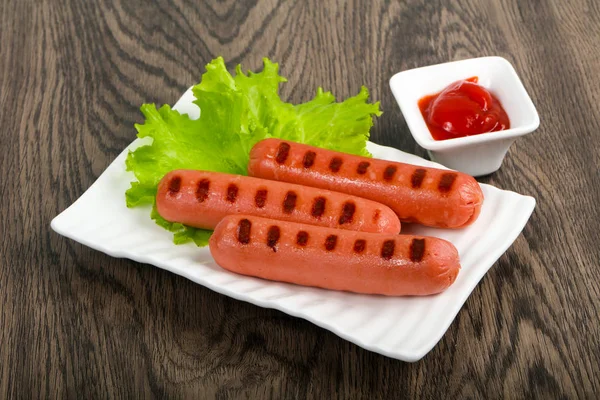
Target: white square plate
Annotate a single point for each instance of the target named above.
(405, 328)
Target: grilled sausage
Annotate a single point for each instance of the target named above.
(429, 196)
(372, 263)
(201, 199)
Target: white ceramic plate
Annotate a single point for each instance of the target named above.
(405, 328)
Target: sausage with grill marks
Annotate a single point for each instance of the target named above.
(201, 199)
(429, 196)
(371, 263)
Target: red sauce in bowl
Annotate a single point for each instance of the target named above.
(464, 108)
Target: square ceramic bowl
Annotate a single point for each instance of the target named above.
(479, 154)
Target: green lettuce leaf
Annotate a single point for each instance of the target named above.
(341, 126)
(182, 233)
(236, 112)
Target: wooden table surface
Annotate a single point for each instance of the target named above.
(77, 323)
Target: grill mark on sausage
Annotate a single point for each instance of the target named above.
(376, 215)
(260, 198)
(318, 207)
(330, 242)
(309, 159)
(273, 237)
(302, 238)
(387, 249)
(232, 192)
(446, 182)
(362, 167)
(347, 213)
(417, 250)
(243, 231)
(202, 190)
(360, 245)
(175, 185)
(289, 203)
(335, 164)
(416, 179)
(389, 172)
(282, 153)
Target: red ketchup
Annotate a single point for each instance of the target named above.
(464, 108)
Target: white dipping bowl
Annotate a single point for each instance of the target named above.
(475, 155)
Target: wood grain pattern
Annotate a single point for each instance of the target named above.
(77, 323)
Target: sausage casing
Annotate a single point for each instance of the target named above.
(372, 263)
(429, 196)
(202, 198)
